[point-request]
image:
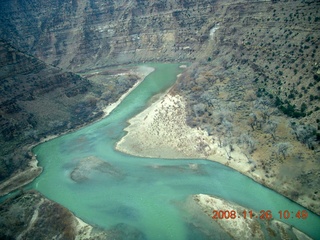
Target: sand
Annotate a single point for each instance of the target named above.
(85, 231)
(158, 132)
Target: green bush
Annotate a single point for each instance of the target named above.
(311, 97)
(288, 109)
(303, 107)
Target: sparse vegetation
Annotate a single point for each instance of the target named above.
(271, 77)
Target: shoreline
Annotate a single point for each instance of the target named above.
(142, 72)
(160, 131)
(22, 178)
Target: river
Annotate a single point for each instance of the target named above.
(145, 194)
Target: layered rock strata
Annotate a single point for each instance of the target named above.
(87, 34)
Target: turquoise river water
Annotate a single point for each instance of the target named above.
(142, 197)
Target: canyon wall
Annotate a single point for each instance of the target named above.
(36, 100)
(78, 35)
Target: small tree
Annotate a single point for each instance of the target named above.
(252, 121)
(271, 128)
(283, 148)
(305, 134)
(265, 114)
(228, 126)
(220, 134)
(227, 143)
(248, 142)
(199, 109)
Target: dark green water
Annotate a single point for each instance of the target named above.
(141, 195)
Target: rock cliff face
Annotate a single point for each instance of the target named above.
(32, 96)
(86, 34)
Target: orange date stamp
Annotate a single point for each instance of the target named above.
(263, 214)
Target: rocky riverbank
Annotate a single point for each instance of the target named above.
(21, 178)
(29, 215)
